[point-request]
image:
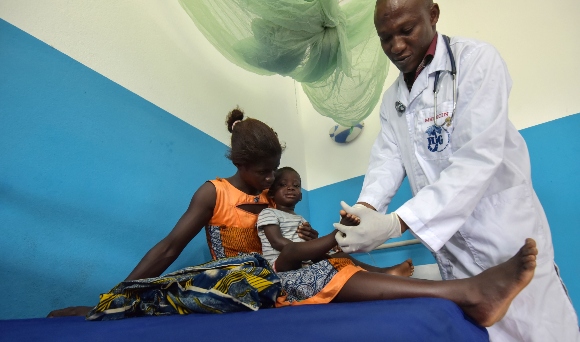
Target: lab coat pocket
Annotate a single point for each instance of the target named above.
(500, 224)
(433, 142)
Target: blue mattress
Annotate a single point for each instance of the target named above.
(419, 319)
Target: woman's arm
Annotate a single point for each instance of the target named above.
(164, 253)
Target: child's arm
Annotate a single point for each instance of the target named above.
(164, 253)
(274, 235)
(294, 253)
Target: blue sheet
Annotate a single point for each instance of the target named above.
(419, 319)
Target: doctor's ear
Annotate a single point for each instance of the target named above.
(434, 14)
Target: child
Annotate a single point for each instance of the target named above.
(229, 209)
(277, 228)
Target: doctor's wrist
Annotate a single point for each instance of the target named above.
(404, 226)
(367, 205)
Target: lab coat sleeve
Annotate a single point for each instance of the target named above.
(481, 120)
(385, 172)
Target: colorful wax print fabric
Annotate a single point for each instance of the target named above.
(241, 283)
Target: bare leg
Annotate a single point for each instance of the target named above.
(71, 311)
(485, 297)
(404, 269)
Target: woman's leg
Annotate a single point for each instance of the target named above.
(485, 297)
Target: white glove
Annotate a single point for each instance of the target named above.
(374, 229)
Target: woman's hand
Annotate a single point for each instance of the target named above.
(306, 232)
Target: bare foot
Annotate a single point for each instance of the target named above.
(348, 219)
(71, 311)
(495, 288)
(404, 269)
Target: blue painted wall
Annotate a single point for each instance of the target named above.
(555, 173)
(92, 176)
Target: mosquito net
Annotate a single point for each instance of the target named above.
(329, 46)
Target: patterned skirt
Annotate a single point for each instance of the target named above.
(317, 283)
(241, 283)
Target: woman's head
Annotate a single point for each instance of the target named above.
(252, 140)
(255, 149)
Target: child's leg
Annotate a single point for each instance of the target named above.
(294, 253)
(485, 297)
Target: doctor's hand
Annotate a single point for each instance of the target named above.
(374, 229)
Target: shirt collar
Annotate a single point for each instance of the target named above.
(410, 77)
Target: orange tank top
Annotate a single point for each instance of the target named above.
(232, 230)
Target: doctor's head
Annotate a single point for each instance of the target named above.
(406, 29)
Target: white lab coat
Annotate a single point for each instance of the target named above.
(473, 203)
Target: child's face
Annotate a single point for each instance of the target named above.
(287, 189)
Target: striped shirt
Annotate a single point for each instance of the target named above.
(288, 224)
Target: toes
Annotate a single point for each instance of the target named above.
(528, 258)
(530, 242)
(530, 251)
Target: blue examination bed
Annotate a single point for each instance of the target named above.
(419, 319)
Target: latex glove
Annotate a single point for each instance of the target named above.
(374, 229)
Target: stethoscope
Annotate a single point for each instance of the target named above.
(401, 107)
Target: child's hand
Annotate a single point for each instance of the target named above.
(336, 249)
(306, 232)
(374, 229)
(348, 219)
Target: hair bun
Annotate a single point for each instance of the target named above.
(235, 115)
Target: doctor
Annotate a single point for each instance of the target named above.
(468, 167)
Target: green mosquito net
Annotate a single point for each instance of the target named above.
(329, 46)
